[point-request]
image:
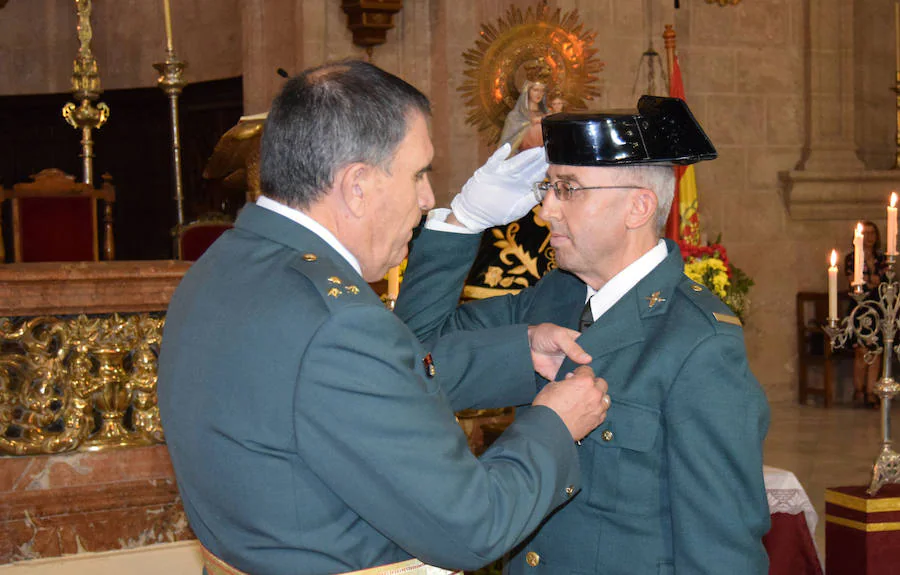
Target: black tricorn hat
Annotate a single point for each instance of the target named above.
(662, 132)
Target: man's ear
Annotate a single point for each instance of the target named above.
(642, 209)
(353, 183)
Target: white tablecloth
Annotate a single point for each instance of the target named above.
(786, 495)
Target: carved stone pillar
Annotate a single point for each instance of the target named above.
(272, 39)
(831, 137)
(831, 182)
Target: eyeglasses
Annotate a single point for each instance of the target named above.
(565, 191)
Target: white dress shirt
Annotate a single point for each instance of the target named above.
(310, 224)
(621, 283)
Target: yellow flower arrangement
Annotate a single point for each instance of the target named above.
(708, 265)
(711, 273)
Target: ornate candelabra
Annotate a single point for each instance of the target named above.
(85, 116)
(171, 81)
(868, 319)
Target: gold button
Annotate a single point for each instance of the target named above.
(570, 490)
(532, 558)
(695, 287)
(310, 257)
(335, 280)
(607, 435)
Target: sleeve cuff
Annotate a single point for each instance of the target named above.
(437, 221)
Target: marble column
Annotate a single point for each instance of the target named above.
(272, 39)
(831, 143)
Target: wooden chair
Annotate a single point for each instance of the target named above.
(814, 346)
(196, 237)
(54, 218)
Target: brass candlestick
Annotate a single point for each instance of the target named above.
(85, 116)
(171, 81)
(864, 324)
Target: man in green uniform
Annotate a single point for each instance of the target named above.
(309, 430)
(674, 479)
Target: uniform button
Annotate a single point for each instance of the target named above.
(570, 490)
(607, 435)
(695, 287)
(532, 558)
(310, 257)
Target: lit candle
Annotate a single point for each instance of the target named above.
(393, 289)
(832, 286)
(892, 226)
(858, 255)
(168, 15)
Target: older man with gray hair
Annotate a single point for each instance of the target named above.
(675, 472)
(309, 430)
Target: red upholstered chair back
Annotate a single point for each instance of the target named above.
(54, 219)
(196, 237)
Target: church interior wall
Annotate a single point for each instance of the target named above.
(745, 67)
(38, 42)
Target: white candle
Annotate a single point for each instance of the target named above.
(832, 286)
(858, 255)
(168, 16)
(393, 289)
(892, 226)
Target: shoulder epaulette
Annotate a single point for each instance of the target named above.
(326, 277)
(710, 306)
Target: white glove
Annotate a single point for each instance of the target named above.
(501, 191)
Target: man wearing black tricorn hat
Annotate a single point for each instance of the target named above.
(675, 473)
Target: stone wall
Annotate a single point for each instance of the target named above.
(38, 42)
(772, 81)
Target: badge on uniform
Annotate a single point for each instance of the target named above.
(428, 362)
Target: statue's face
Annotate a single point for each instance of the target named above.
(536, 93)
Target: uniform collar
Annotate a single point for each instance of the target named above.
(613, 290)
(312, 225)
(622, 324)
(279, 229)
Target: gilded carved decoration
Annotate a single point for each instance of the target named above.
(496, 67)
(78, 383)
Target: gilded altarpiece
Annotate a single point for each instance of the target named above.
(523, 67)
(78, 382)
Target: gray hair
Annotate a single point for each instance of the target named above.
(658, 179)
(328, 117)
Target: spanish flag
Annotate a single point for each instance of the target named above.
(683, 222)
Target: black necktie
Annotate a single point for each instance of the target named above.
(587, 317)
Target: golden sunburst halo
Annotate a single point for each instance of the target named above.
(496, 66)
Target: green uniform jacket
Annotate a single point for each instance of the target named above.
(307, 435)
(673, 478)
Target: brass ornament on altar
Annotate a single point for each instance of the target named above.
(497, 65)
(85, 116)
(78, 383)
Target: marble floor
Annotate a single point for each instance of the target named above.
(825, 448)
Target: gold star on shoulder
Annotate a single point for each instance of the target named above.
(654, 299)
